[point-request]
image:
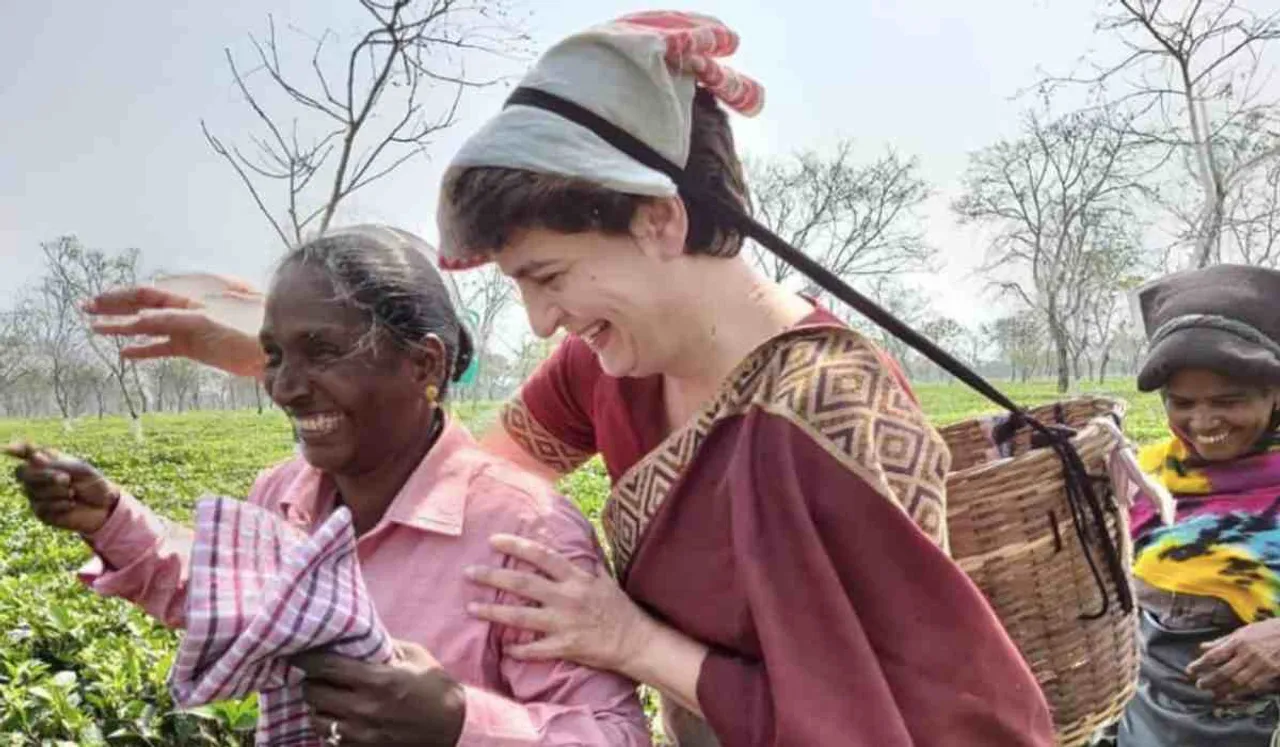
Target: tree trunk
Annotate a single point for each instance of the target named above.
(60, 397)
(137, 385)
(1063, 360)
(257, 395)
(124, 392)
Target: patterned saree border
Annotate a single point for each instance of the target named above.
(831, 383)
(537, 441)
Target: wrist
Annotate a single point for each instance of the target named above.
(657, 647)
(109, 508)
(670, 662)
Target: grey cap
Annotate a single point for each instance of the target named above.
(1224, 318)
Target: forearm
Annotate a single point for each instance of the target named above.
(143, 559)
(670, 662)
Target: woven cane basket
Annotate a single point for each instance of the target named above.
(1011, 530)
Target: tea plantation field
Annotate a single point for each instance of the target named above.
(76, 669)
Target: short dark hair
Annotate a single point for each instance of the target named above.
(385, 273)
(489, 205)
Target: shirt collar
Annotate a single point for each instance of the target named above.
(433, 499)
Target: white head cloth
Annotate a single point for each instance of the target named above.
(638, 72)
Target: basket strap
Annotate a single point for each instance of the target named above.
(1087, 510)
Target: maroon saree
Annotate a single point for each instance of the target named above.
(797, 527)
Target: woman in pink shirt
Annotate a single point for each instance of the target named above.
(360, 341)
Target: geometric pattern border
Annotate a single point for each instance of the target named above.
(537, 441)
(831, 383)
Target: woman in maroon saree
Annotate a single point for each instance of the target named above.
(777, 517)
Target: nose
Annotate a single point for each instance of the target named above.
(545, 316)
(289, 385)
(1204, 419)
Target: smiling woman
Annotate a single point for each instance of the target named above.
(1209, 584)
(360, 342)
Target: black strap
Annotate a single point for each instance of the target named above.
(1084, 501)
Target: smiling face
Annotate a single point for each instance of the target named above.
(347, 400)
(619, 294)
(1221, 419)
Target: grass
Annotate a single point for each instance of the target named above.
(76, 669)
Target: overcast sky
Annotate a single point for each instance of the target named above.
(100, 135)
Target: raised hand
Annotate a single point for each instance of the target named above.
(215, 325)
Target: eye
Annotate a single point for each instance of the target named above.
(318, 350)
(273, 354)
(544, 281)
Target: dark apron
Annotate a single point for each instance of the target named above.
(1168, 710)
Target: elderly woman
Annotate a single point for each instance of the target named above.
(1209, 584)
(360, 341)
(778, 508)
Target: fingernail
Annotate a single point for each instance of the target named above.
(473, 608)
(470, 571)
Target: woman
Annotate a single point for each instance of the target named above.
(1209, 584)
(777, 515)
(360, 341)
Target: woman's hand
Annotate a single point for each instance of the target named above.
(1243, 664)
(191, 329)
(64, 493)
(407, 701)
(583, 618)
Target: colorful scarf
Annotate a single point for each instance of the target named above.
(1225, 540)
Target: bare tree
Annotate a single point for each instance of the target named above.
(1060, 201)
(376, 106)
(1020, 339)
(50, 318)
(903, 301)
(1192, 75)
(82, 273)
(858, 220)
(1130, 344)
(483, 296)
(1252, 218)
(947, 334)
(15, 356)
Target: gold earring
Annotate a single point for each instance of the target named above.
(433, 395)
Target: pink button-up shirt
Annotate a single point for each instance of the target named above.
(412, 561)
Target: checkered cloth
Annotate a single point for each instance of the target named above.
(261, 590)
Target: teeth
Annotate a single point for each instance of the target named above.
(1212, 440)
(589, 334)
(317, 425)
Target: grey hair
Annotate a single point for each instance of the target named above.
(385, 273)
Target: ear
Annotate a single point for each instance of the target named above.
(660, 227)
(426, 362)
